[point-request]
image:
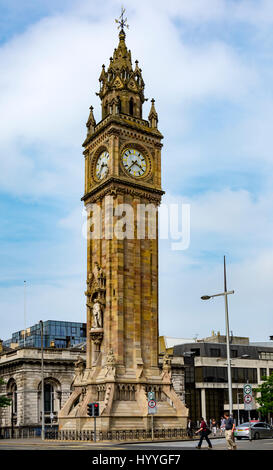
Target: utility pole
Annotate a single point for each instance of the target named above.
(228, 341)
(225, 294)
(25, 314)
(42, 378)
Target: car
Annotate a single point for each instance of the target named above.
(253, 430)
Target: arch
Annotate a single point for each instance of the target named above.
(12, 393)
(118, 104)
(52, 396)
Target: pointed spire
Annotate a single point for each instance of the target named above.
(153, 117)
(120, 80)
(103, 74)
(91, 122)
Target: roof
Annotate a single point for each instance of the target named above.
(263, 344)
(171, 342)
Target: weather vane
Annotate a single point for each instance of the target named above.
(122, 21)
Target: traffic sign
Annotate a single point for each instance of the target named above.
(151, 407)
(151, 396)
(247, 389)
(248, 397)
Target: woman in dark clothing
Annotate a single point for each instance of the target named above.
(203, 434)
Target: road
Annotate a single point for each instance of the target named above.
(218, 444)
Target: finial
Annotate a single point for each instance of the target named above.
(122, 22)
(153, 118)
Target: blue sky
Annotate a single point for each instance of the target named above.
(209, 66)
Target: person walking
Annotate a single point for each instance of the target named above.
(213, 426)
(190, 428)
(222, 426)
(229, 432)
(204, 432)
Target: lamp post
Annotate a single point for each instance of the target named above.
(225, 294)
(42, 379)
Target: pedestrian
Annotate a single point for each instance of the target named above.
(229, 432)
(204, 432)
(222, 425)
(190, 428)
(213, 426)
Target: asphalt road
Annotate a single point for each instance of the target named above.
(218, 444)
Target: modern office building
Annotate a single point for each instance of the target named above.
(206, 381)
(59, 334)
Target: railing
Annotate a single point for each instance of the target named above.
(19, 432)
(124, 435)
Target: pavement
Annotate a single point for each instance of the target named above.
(217, 443)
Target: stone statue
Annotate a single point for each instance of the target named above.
(110, 358)
(97, 315)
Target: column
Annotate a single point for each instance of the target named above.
(203, 403)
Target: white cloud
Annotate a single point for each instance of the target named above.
(48, 79)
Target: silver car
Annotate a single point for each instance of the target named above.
(258, 430)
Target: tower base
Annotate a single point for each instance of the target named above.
(123, 402)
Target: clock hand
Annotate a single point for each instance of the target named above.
(133, 163)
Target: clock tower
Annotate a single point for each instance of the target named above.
(122, 193)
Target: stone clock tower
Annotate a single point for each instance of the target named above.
(123, 190)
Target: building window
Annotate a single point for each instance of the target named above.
(196, 351)
(266, 355)
(215, 352)
(49, 398)
(131, 107)
(262, 372)
(234, 353)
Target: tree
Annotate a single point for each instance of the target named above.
(4, 401)
(265, 399)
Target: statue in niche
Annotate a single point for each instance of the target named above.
(97, 314)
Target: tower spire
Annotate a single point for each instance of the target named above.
(121, 87)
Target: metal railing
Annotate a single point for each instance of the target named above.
(124, 435)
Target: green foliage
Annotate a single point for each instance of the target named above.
(4, 401)
(265, 399)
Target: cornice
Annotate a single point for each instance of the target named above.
(124, 121)
(116, 186)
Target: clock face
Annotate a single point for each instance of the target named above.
(134, 163)
(102, 167)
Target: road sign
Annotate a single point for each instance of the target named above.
(151, 396)
(248, 397)
(151, 407)
(247, 389)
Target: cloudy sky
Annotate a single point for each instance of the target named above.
(209, 66)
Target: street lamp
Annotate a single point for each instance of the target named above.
(42, 378)
(225, 294)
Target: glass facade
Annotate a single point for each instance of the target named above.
(58, 334)
(219, 374)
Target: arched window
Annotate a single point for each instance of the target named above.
(131, 106)
(52, 397)
(118, 104)
(49, 398)
(12, 393)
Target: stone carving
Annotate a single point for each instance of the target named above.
(80, 366)
(110, 366)
(166, 369)
(97, 314)
(79, 370)
(96, 285)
